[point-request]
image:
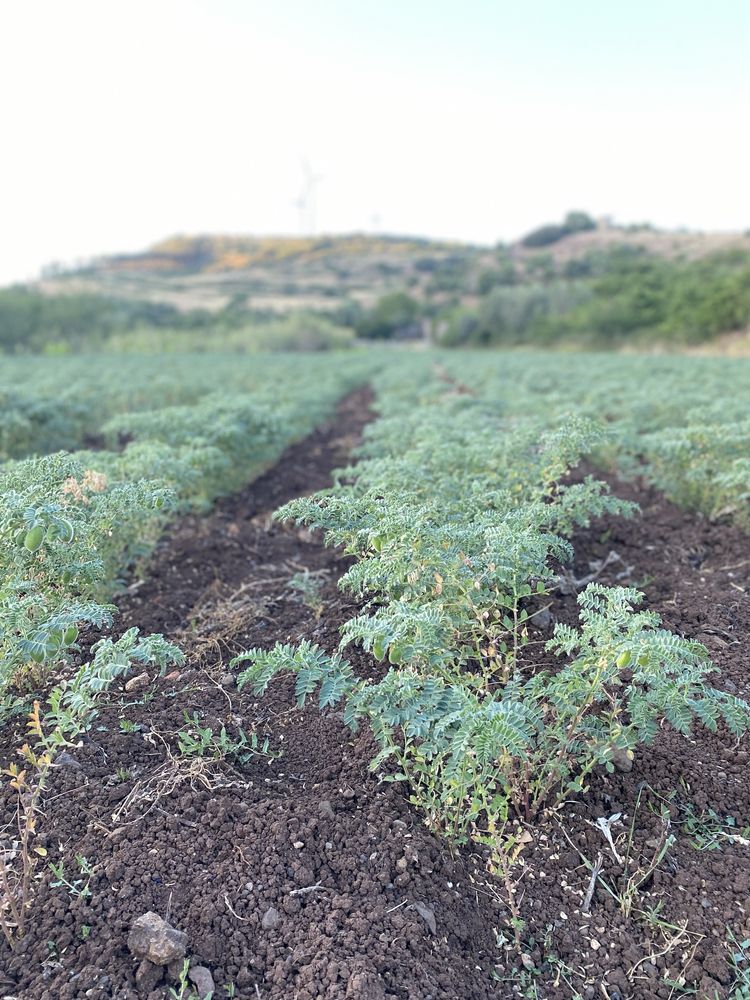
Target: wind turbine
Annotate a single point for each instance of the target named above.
(306, 201)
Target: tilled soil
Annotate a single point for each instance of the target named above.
(301, 875)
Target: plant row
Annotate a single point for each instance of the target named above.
(73, 525)
(459, 519)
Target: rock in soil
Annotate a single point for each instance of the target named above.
(148, 976)
(152, 938)
(271, 919)
(203, 981)
(137, 683)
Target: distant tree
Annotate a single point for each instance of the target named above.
(394, 315)
(575, 222)
(504, 274)
(544, 236)
(541, 267)
(578, 222)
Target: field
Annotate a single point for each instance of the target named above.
(390, 673)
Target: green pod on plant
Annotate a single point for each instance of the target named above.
(378, 648)
(66, 577)
(395, 653)
(70, 635)
(34, 538)
(64, 531)
(623, 659)
(46, 644)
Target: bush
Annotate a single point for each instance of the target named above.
(394, 315)
(609, 297)
(544, 236)
(31, 321)
(503, 275)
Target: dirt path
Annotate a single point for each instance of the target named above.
(303, 877)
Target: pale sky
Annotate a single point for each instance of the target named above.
(125, 121)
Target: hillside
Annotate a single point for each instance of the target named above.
(277, 273)
(662, 243)
(280, 274)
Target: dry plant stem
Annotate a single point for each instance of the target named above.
(672, 942)
(27, 807)
(505, 863)
(170, 774)
(586, 905)
(8, 897)
(309, 888)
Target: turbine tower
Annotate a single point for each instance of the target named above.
(306, 201)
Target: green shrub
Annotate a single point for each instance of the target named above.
(575, 222)
(394, 314)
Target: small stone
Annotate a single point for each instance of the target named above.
(595, 945)
(348, 793)
(271, 919)
(203, 981)
(175, 970)
(137, 683)
(298, 845)
(427, 914)
(173, 675)
(542, 618)
(227, 680)
(325, 809)
(148, 976)
(152, 938)
(623, 760)
(66, 759)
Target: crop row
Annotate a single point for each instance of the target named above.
(459, 518)
(72, 524)
(682, 422)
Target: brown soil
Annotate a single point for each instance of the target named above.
(214, 846)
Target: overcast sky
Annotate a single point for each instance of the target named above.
(124, 121)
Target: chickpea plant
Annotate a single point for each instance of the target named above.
(475, 758)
